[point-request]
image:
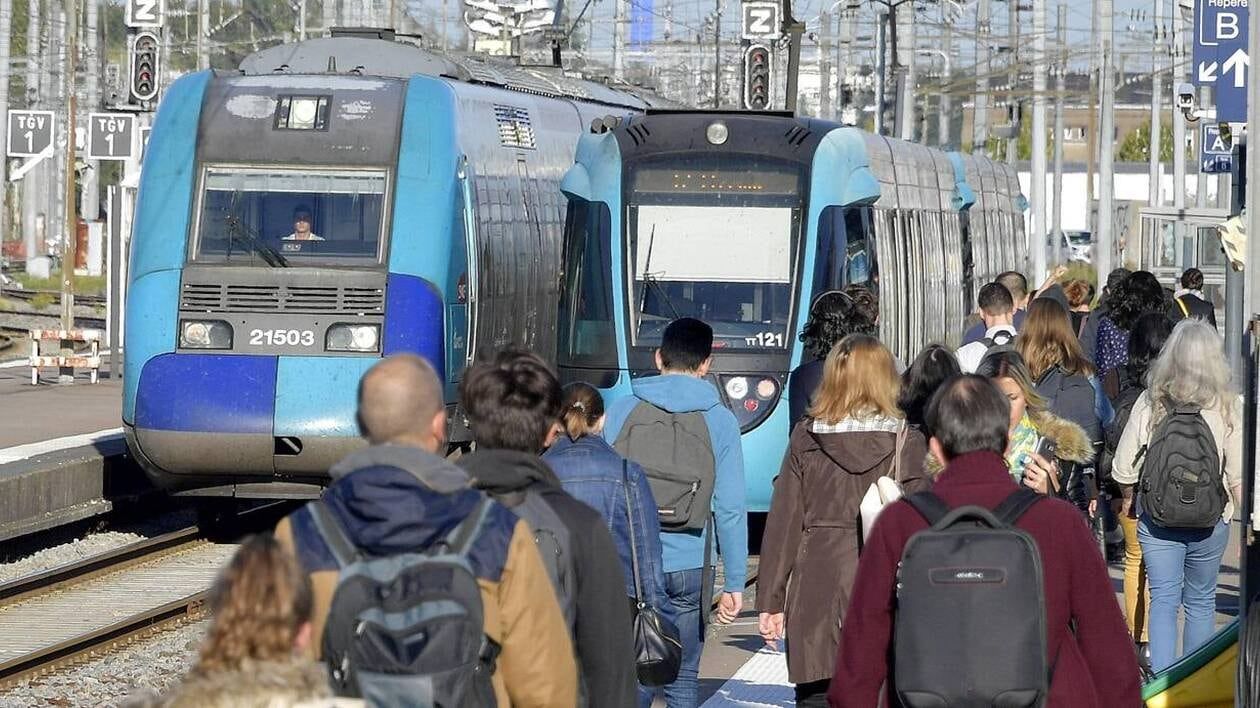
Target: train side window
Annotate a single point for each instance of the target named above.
(844, 251)
(587, 330)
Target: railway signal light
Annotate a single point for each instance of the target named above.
(757, 73)
(143, 85)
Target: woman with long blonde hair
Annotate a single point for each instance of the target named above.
(853, 434)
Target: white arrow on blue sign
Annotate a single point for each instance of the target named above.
(1220, 55)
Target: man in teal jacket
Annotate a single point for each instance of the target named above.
(683, 359)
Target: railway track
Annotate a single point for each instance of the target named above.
(86, 322)
(23, 294)
(61, 616)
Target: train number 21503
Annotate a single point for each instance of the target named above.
(281, 337)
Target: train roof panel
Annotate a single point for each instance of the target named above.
(325, 56)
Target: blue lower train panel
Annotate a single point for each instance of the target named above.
(318, 396)
(413, 320)
(207, 393)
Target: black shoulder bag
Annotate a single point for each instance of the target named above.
(657, 646)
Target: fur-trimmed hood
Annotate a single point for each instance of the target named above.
(1071, 442)
(256, 684)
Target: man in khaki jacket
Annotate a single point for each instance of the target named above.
(397, 496)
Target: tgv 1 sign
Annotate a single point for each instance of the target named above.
(1220, 55)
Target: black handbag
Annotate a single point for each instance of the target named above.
(657, 646)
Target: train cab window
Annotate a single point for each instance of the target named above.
(291, 216)
(844, 255)
(714, 237)
(587, 332)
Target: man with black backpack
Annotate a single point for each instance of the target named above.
(980, 589)
(513, 405)
(425, 591)
(997, 309)
(688, 444)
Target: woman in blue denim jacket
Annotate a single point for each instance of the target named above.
(593, 472)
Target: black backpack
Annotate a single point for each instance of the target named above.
(408, 629)
(554, 544)
(676, 454)
(970, 626)
(1181, 474)
(1123, 407)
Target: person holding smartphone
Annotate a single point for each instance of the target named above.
(1043, 450)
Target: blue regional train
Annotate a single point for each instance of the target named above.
(331, 202)
(742, 219)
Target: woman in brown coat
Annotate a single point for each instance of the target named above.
(850, 438)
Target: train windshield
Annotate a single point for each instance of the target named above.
(715, 237)
(291, 216)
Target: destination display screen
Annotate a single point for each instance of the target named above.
(704, 175)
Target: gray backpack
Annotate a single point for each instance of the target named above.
(676, 453)
(1181, 479)
(408, 629)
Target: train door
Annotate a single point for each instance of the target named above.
(892, 316)
(462, 329)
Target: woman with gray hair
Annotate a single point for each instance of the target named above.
(1182, 562)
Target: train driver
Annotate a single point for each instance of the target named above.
(302, 226)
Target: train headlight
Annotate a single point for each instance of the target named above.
(205, 334)
(717, 133)
(345, 337)
(737, 387)
(751, 398)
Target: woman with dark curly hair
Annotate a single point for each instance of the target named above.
(1135, 296)
(833, 316)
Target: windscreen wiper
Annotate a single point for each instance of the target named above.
(238, 229)
(651, 281)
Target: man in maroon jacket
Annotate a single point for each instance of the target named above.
(1096, 665)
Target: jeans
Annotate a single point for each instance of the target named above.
(1136, 595)
(1182, 566)
(686, 597)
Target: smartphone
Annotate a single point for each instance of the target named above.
(1046, 448)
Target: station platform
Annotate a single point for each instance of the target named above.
(62, 453)
(738, 669)
(51, 410)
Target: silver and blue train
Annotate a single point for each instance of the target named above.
(742, 219)
(332, 202)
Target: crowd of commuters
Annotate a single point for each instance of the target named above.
(567, 560)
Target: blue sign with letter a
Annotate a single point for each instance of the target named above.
(1215, 151)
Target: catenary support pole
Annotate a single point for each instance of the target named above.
(72, 221)
(1180, 74)
(1157, 87)
(1060, 88)
(619, 43)
(980, 121)
(1091, 128)
(6, 30)
(824, 67)
(1040, 149)
(881, 70)
(910, 76)
(90, 190)
(1012, 80)
(945, 119)
(1104, 246)
(31, 192)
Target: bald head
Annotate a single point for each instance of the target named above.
(400, 401)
